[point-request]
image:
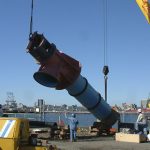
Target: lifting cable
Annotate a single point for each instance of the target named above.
(31, 20)
(105, 30)
(105, 68)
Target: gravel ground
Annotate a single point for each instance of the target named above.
(99, 143)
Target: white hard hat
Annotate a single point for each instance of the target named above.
(139, 110)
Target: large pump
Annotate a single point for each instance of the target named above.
(60, 71)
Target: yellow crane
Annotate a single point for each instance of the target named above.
(145, 8)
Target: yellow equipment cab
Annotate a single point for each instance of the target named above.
(14, 135)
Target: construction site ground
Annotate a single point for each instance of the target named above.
(99, 143)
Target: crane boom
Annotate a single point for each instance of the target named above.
(145, 8)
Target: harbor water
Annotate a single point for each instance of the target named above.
(85, 119)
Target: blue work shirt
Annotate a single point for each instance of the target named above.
(73, 122)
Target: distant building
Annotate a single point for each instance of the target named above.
(145, 103)
(148, 103)
(129, 106)
(39, 106)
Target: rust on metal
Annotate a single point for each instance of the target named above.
(55, 65)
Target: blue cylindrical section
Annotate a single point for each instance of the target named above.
(89, 98)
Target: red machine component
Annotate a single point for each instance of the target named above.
(58, 68)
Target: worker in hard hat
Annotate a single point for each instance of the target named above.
(141, 122)
(73, 122)
(1, 111)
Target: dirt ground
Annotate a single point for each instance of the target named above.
(99, 143)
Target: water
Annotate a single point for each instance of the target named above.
(85, 119)
(129, 117)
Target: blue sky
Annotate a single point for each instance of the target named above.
(77, 28)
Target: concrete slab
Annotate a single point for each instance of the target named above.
(100, 143)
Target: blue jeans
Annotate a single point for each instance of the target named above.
(141, 127)
(72, 135)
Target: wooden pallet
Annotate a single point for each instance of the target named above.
(135, 138)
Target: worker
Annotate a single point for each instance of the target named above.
(141, 122)
(1, 111)
(73, 122)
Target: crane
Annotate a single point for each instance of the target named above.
(145, 8)
(60, 71)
